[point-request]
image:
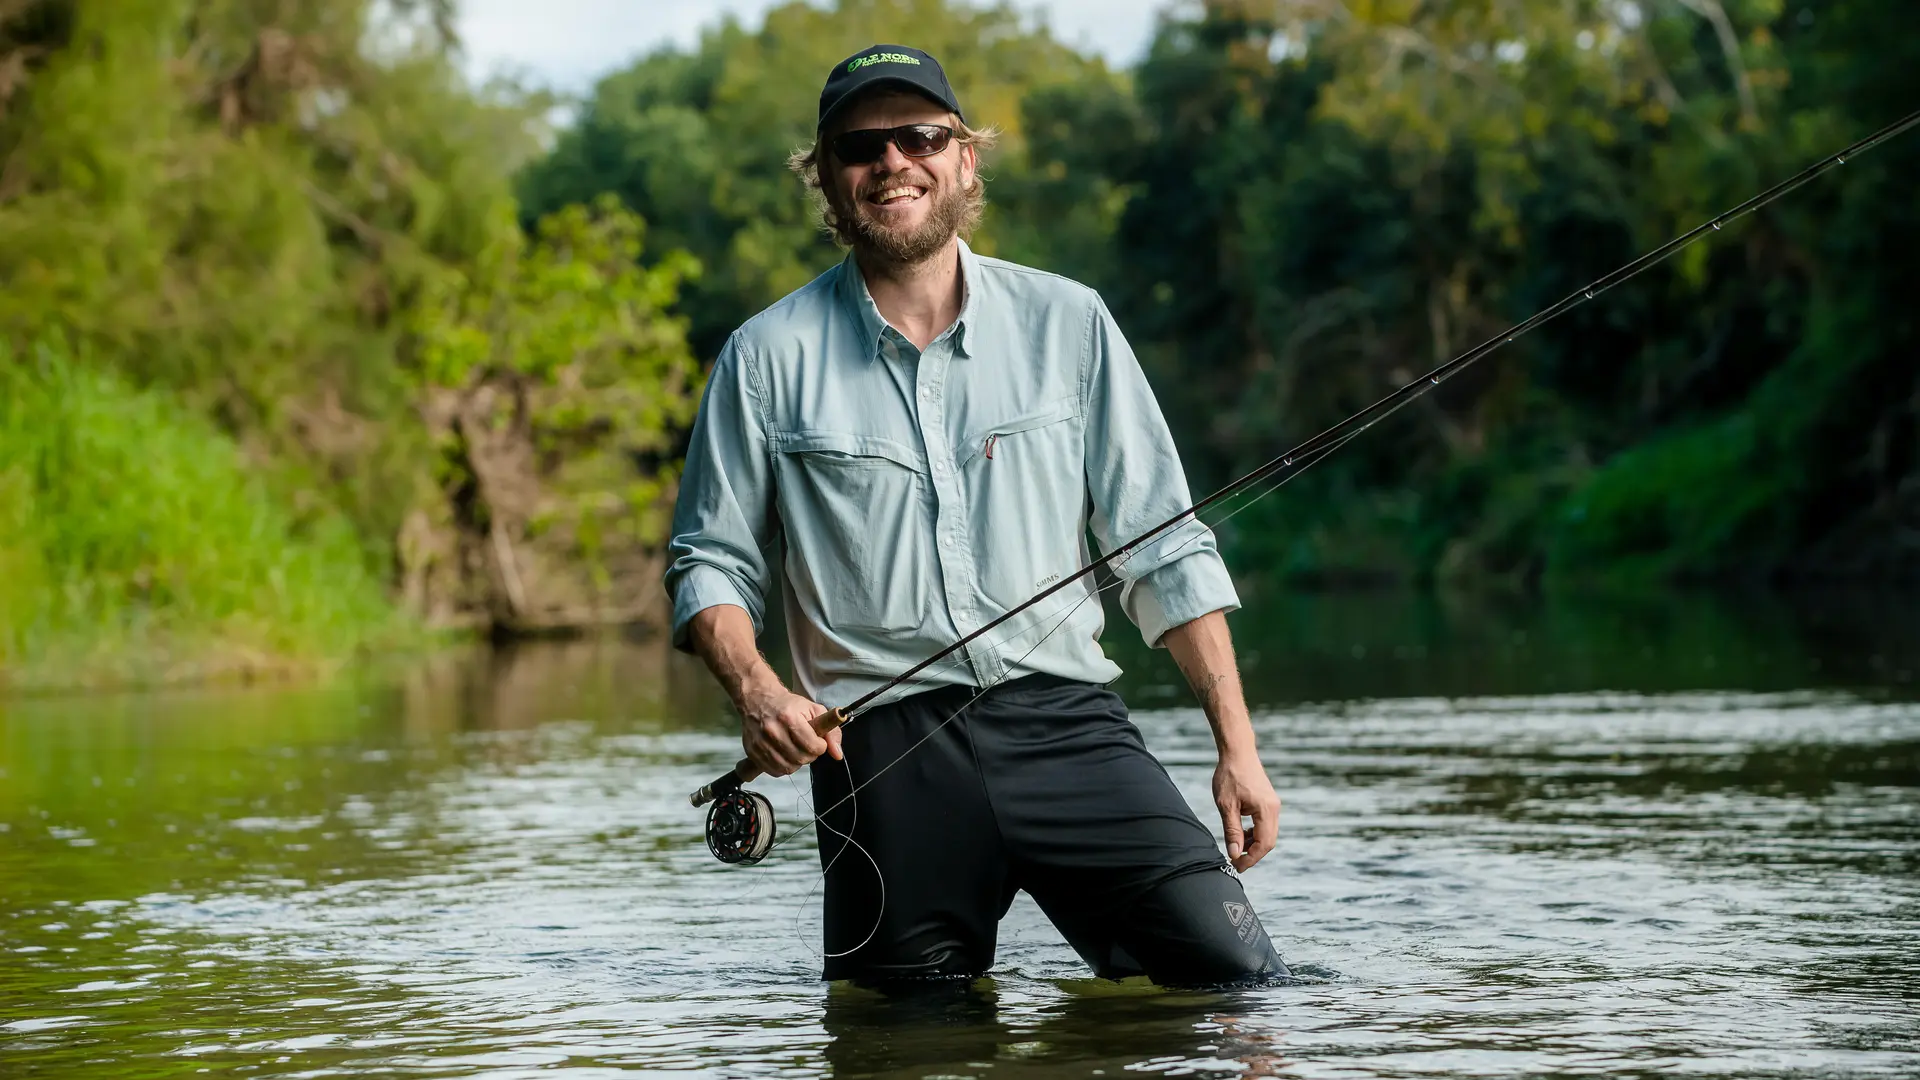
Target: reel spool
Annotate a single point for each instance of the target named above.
(740, 827)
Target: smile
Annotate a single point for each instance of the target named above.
(893, 195)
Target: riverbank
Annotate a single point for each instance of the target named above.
(140, 546)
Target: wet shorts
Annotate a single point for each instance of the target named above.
(1042, 785)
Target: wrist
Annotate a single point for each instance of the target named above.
(756, 685)
(1233, 738)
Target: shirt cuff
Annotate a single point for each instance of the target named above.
(1179, 592)
(701, 587)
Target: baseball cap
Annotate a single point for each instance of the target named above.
(885, 65)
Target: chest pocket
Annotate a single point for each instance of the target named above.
(855, 510)
(1026, 477)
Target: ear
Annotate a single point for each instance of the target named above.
(969, 166)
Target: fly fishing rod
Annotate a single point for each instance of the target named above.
(740, 824)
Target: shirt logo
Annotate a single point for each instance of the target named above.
(859, 62)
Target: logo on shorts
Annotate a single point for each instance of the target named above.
(1243, 920)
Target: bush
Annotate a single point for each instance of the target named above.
(138, 545)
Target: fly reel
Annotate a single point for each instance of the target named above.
(740, 822)
(740, 827)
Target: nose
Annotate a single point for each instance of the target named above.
(894, 160)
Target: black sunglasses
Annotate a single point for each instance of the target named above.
(869, 145)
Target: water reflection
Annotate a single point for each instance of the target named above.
(958, 1027)
(1519, 859)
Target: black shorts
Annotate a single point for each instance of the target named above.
(1043, 785)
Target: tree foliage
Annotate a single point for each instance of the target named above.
(697, 142)
(1332, 198)
(1297, 205)
(297, 220)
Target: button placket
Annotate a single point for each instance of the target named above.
(949, 504)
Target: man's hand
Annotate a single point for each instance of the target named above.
(776, 729)
(1241, 790)
(776, 724)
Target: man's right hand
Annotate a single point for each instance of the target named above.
(776, 724)
(776, 729)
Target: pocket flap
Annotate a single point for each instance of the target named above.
(1064, 409)
(843, 442)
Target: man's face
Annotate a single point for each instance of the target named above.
(906, 209)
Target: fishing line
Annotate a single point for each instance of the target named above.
(855, 789)
(898, 758)
(1284, 467)
(881, 877)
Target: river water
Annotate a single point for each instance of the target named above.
(1668, 837)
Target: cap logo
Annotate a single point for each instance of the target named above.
(859, 62)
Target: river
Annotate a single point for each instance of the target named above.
(1667, 836)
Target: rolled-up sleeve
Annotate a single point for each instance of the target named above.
(1134, 483)
(723, 520)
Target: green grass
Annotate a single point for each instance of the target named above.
(137, 545)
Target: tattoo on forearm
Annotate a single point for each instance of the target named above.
(1206, 685)
(1209, 690)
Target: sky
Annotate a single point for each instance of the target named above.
(567, 44)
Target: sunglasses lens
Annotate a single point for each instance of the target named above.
(862, 147)
(870, 144)
(921, 140)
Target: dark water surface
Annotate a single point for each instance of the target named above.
(1665, 837)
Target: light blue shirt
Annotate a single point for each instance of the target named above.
(911, 497)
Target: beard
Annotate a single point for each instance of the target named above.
(904, 245)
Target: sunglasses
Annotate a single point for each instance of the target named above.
(869, 145)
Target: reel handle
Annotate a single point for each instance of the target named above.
(747, 771)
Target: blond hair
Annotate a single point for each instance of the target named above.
(805, 163)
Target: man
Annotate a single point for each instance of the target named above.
(924, 436)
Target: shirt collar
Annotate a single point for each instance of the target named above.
(866, 316)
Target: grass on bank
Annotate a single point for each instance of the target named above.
(138, 546)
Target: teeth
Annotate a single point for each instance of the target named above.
(891, 194)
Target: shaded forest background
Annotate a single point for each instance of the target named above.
(307, 343)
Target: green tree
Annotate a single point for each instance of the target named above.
(297, 221)
(237, 201)
(1333, 199)
(697, 143)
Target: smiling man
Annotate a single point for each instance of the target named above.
(924, 438)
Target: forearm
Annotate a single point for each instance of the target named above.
(722, 636)
(1204, 650)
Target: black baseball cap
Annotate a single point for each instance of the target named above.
(885, 65)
